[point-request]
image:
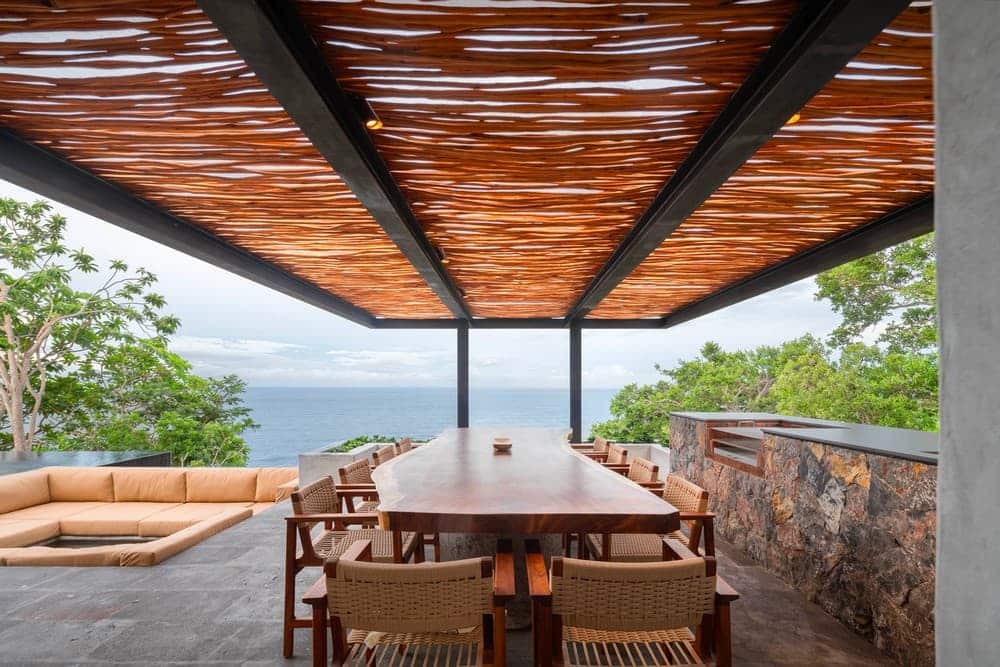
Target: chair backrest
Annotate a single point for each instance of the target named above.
(429, 597)
(404, 445)
(641, 470)
(384, 454)
(358, 472)
(601, 595)
(316, 498)
(617, 455)
(684, 495)
(600, 444)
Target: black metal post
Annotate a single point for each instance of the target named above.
(462, 359)
(576, 381)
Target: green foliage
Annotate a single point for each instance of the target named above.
(357, 441)
(893, 290)
(892, 383)
(91, 369)
(142, 396)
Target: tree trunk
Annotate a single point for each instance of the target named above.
(17, 429)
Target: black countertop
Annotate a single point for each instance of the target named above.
(899, 443)
(11, 462)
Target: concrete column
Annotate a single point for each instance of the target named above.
(462, 381)
(576, 381)
(967, 216)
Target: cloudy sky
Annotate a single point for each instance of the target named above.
(232, 325)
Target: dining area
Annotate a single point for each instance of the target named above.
(444, 553)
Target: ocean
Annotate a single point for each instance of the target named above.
(302, 419)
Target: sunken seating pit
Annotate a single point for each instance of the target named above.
(136, 516)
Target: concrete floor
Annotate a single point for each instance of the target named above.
(220, 603)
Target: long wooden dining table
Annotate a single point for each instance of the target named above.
(458, 486)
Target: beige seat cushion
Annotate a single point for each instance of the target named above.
(270, 482)
(23, 532)
(23, 489)
(257, 508)
(111, 519)
(221, 485)
(150, 485)
(159, 550)
(90, 556)
(81, 484)
(177, 518)
(56, 510)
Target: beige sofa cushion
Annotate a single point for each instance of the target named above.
(159, 550)
(90, 556)
(272, 484)
(221, 485)
(111, 519)
(23, 532)
(81, 484)
(180, 517)
(56, 510)
(151, 485)
(23, 489)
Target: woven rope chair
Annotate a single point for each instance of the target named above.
(384, 454)
(432, 614)
(320, 503)
(404, 445)
(358, 472)
(690, 500)
(595, 613)
(597, 450)
(355, 478)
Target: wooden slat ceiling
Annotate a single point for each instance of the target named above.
(529, 137)
(864, 147)
(150, 97)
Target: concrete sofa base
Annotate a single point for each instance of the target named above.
(177, 506)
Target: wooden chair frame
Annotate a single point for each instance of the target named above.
(501, 568)
(298, 531)
(713, 636)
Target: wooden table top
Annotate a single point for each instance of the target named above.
(457, 484)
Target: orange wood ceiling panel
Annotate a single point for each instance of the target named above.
(150, 96)
(530, 136)
(864, 146)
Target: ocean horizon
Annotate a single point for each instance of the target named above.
(302, 419)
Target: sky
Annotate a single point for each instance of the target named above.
(232, 325)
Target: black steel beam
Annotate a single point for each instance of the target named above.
(901, 225)
(49, 175)
(273, 41)
(462, 383)
(817, 43)
(576, 382)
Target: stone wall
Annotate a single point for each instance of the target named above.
(855, 532)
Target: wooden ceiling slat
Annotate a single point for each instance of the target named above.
(527, 200)
(150, 97)
(864, 147)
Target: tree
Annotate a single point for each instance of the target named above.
(891, 383)
(48, 325)
(142, 396)
(892, 292)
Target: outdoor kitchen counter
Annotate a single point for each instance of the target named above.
(900, 443)
(845, 513)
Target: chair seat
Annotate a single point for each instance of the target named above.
(454, 649)
(632, 547)
(332, 543)
(583, 647)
